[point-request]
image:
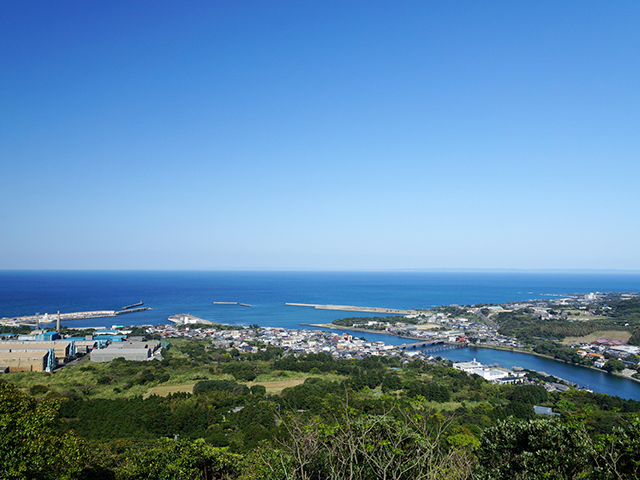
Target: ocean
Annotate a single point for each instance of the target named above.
(194, 292)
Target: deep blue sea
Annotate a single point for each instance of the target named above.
(174, 292)
(169, 293)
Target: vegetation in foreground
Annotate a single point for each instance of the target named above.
(367, 419)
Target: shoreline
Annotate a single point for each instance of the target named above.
(331, 326)
(492, 347)
(557, 360)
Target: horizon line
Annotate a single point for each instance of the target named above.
(355, 270)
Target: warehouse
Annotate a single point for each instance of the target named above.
(64, 351)
(34, 361)
(137, 353)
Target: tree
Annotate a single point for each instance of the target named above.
(29, 446)
(618, 454)
(179, 460)
(614, 366)
(396, 445)
(533, 449)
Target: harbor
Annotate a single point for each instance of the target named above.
(37, 319)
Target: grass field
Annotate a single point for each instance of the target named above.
(612, 334)
(277, 386)
(272, 387)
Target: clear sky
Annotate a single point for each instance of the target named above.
(319, 134)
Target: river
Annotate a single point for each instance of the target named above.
(595, 380)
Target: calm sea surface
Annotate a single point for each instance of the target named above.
(169, 293)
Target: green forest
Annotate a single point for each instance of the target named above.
(617, 315)
(375, 418)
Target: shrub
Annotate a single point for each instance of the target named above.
(38, 389)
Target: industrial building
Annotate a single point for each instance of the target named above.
(27, 361)
(63, 350)
(136, 351)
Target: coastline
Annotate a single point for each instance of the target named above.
(493, 347)
(331, 326)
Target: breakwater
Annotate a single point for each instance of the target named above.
(131, 310)
(33, 320)
(133, 305)
(353, 308)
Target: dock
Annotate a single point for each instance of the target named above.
(352, 308)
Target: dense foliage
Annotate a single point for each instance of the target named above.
(360, 419)
(524, 324)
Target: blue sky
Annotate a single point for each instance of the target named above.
(319, 135)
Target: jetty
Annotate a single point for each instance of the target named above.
(353, 308)
(131, 310)
(133, 305)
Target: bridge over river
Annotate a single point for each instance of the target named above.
(431, 346)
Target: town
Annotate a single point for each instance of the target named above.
(427, 332)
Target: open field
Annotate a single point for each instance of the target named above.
(621, 335)
(272, 387)
(165, 390)
(277, 386)
(582, 316)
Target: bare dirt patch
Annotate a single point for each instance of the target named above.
(619, 335)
